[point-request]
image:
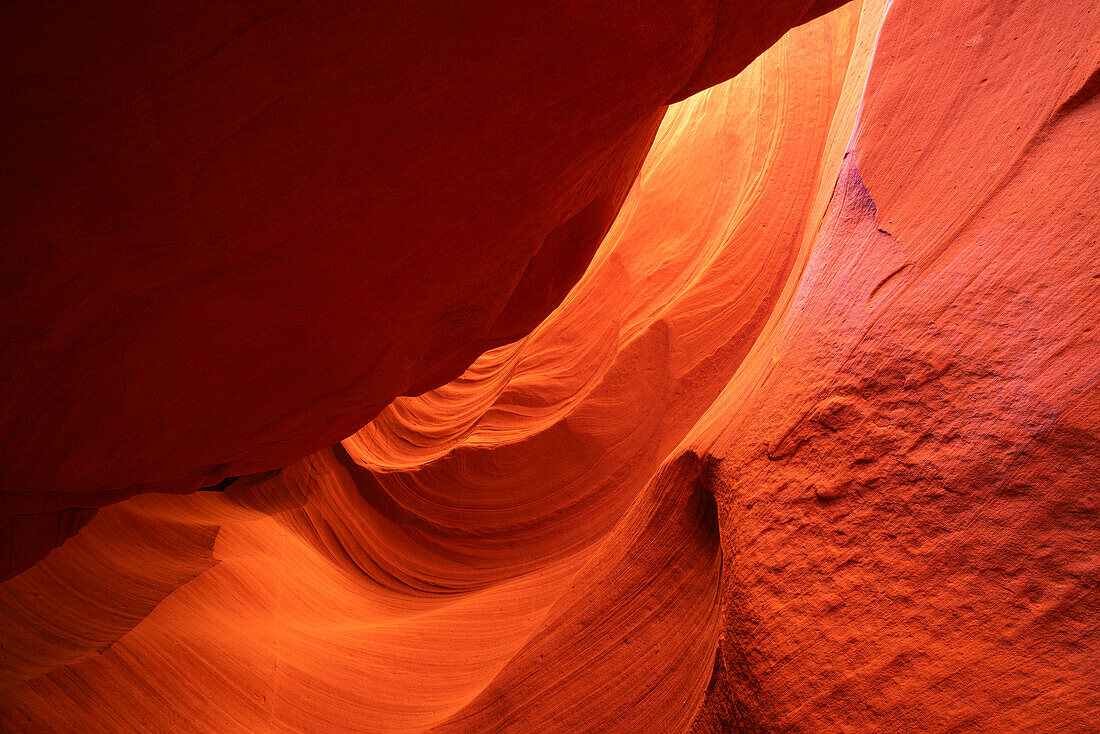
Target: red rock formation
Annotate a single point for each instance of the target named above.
(234, 234)
(812, 445)
(913, 444)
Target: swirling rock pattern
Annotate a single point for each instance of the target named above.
(776, 410)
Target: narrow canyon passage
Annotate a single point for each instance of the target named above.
(776, 409)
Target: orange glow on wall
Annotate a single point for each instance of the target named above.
(551, 367)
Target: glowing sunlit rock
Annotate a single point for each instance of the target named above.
(793, 426)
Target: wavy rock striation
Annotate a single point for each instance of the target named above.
(792, 426)
(234, 244)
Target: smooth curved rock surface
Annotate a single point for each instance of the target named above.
(793, 426)
(233, 234)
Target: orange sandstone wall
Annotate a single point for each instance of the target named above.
(793, 426)
(233, 233)
(909, 463)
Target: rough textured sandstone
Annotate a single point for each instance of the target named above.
(812, 442)
(910, 473)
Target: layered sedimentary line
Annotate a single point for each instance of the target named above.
(811, 446)
(484, 533)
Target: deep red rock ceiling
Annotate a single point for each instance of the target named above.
(555, 408)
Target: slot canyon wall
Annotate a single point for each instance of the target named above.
(551, 367)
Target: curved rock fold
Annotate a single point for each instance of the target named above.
(531, 402)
